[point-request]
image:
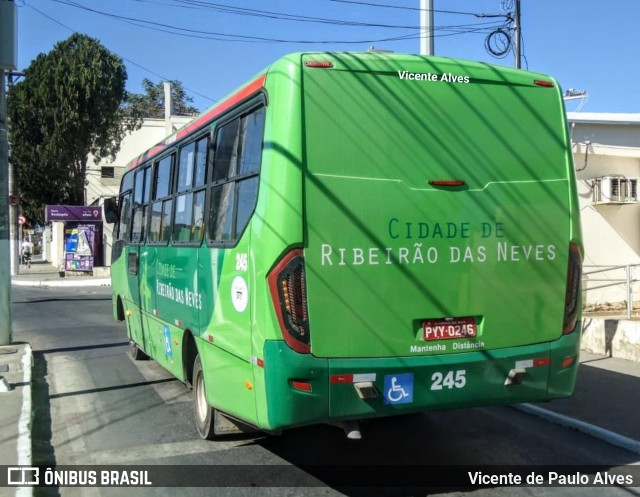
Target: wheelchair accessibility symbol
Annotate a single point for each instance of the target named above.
(167, 342)
(398, 388)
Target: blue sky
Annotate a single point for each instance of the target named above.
(586, 44)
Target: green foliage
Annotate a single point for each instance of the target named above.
(68, 105)
(151, 103)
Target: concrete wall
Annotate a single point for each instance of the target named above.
(605, 145)
(612, 337)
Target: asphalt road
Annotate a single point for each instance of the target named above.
(94, 405)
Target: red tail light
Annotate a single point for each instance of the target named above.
(572, 298)
(322, 64)
(287, 283)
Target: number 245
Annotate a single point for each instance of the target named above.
(453, 379)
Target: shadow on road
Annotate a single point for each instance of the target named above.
(43, 450)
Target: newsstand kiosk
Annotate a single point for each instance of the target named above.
(82, 245)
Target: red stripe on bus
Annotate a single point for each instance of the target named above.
(210, 115)
(341, 378)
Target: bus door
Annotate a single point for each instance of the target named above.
(134, 321)
(136, 254)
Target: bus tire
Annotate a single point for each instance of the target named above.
(203, 412)
(136, 352)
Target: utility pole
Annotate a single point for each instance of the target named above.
(8, 59)
(168, 108)
(5, 250)
(517, 31)
(426, 27)
(14, 201)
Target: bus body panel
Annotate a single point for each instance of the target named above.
(165, 300)
(463, 380)
(229, 385)
(391, 258)
(224, 284)
(278, 223)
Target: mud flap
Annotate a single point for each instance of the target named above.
(225, 425)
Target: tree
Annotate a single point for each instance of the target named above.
(69, 105)
(151, 103)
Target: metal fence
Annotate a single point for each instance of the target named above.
(611, 276)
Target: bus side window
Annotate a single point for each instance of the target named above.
(141, 194)
(188, 226)
(124, 220)
(235, 176)
(121, 230)
(226, 151)
(160, 224)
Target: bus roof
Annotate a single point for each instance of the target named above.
(201, 121)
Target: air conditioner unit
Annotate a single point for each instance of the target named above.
(615, 190)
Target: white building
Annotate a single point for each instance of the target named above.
(607, 160)
(103, 180)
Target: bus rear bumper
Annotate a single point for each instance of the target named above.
(303, 389)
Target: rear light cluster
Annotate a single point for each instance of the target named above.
(321, 64)
(572, 298)
(541, 82)
(447, 182)
(287, 283)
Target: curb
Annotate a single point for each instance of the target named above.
(24, 448)
(24, 425)
(587, 428)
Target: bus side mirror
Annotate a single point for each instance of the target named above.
(111, 210)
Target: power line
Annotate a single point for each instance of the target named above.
(414, 9)
(220, 36)
(414, 34)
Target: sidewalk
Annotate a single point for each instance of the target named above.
(44, 274)
(16, 361)
(605, 403)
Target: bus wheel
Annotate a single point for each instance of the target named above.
(203, 411)
(136, 352)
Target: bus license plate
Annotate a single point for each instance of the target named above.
(449, 329)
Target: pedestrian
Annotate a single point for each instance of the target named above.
(27, 250)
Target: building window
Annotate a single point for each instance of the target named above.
(108, 172)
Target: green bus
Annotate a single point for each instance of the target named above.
(357, 235)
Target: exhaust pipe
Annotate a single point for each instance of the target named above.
(351, 429)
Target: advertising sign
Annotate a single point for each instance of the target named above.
(73, 213)
(79, 247)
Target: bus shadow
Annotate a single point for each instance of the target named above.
(396, 456)
(433, 453)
